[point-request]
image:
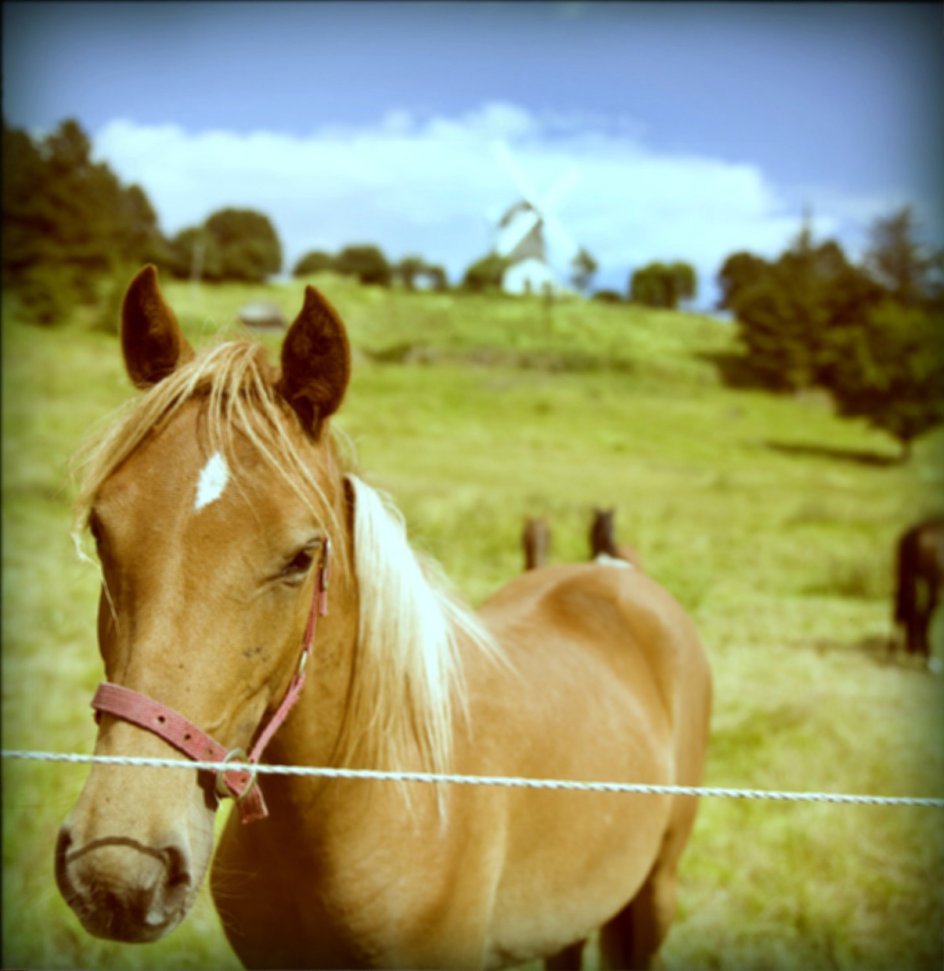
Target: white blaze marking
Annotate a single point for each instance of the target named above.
(212, 481)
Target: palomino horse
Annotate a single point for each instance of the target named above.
(603, 541)
(920, 582)
(213, 503)
(536, 542)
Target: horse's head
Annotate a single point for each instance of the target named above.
(210, 504)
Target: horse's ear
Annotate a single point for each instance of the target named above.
(316, 362)
(151, 340)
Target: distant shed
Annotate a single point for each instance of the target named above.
(261, 315)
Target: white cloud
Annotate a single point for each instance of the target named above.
(431, 186)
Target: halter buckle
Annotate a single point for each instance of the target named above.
(223, 789)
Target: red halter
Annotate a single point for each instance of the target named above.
(156, 717)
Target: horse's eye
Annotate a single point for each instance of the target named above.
(300, 563)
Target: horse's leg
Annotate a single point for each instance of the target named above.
(633, 937)
(932, 610)
(906, 592)
(567, 960)
(922, 647)
(259, 909)
(631, 940)
(930, 607)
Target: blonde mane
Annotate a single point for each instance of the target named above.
(409, 677)
(408, 681)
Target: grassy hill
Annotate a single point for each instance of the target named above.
(771, 520)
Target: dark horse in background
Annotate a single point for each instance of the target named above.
(920, 576)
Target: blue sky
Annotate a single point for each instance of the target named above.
(695, 129)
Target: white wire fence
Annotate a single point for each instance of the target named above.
(514, 782)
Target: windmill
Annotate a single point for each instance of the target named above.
(530, 236)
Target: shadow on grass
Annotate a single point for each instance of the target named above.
(879, 649)
(409, 352)
(833, 454)
(735, 371)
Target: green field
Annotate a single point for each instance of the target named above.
(771, 520)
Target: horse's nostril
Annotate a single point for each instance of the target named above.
(178, 867)
(63, 842)
(177, 879)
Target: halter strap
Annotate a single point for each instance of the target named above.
(159, 719)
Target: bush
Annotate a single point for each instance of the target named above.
(248, 245)
(608, 296)
(485, 274)
(661, 285)
(366, 262)
(314, 261)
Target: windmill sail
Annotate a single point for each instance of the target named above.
(530, 235)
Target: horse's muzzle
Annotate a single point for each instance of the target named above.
(122, 890)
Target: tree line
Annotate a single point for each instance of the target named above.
(872, 335)
(368, 263)
(69, 222)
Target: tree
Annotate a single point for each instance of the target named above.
(790, 312)
(811, 318)
(25, 224)
(142, 240)
(891, 371)
(67, 221)
(663, 285)
(249, 246)
(909, 270)
(584, 270)
(366, 262)
(485, 273)
(413, 269)
(437, 277)
(314, 261)
(739, 271)
(408, 269)
(195, 252)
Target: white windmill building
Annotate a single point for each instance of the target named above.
(530, 236)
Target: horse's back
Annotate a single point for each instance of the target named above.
(604, 620)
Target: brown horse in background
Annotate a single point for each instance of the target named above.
(536, 542)
(603, 540)
(213, 504)
(919, 568)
